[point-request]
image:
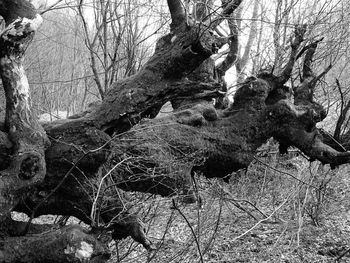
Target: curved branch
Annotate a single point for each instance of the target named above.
(232, 55)
(305, 91)
(299, 33)
(228, 7)
(177, 12)
(344, 109)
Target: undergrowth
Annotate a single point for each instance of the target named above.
(281, 209)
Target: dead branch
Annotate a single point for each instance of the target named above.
(228, 7)
(299, 33)
(344, 109)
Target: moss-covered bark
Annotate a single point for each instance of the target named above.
(95, 154)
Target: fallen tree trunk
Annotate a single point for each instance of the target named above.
(157, 156)
(95, 154)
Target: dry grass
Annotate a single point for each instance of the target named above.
(264, 215)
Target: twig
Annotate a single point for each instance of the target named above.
(93, 208)
(242, 200)
(167, 227)
(50, 7)
(233, 201)
(301, 206)
(212, 238)
(282, 172)
(250, 203)
(265, 219)
(342, 255)
(189, 225)
(297, 179)
(333, 139)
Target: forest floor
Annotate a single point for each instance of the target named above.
(279, 211)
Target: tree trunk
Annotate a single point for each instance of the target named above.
(155, 156)
(26, 165)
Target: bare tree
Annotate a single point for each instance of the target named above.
(113, 38)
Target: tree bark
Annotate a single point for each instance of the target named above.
(156, 156)
(26, 167)
(66, 244)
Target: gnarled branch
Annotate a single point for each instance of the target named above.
(177, 12)
(299, 33)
